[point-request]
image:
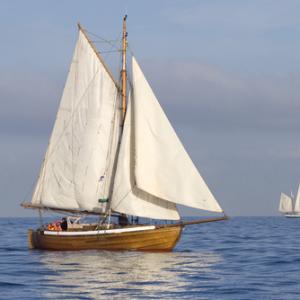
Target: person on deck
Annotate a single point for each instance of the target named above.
(64, 224)
(123, 220)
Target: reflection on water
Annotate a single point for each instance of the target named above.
(99, 274)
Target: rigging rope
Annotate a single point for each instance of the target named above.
(103, 40)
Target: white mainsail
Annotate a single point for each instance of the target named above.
(154, 162)
(285, 204)
(297, 201)
(77, 169)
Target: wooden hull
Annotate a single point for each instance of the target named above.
(157, 239)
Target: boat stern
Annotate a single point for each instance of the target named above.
(30, 240)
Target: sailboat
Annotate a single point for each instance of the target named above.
(114, 154)
(288, 206)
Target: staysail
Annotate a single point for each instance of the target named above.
(159, 172)
(76, 172)
(127, 198)
(297, 201)
(285, 204)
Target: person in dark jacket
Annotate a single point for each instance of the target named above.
(123, 220)
(64, 224)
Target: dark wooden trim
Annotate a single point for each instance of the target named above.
(199, 221)
(223, 218)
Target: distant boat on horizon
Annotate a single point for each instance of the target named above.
(114, 154)
(289, 206)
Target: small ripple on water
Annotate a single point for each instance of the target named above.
(12, 249)
(10, 284)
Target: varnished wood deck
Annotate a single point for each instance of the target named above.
(158, 239)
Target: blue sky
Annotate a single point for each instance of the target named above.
(226, 73)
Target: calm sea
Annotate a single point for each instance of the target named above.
(243, 258)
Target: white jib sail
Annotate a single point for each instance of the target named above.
(285, 204)
(127, 198)
(297, 201)
(162, 166)
(77, 168)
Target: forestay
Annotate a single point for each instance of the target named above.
(285, 204)
(76, 173)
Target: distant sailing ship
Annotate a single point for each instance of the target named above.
(113, 153)
(290, 207)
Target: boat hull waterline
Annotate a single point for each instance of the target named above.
(292, 215)
(141, 238)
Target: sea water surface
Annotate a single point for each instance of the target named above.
(243, 258)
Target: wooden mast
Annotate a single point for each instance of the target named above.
(124, 82)
(123, 72)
